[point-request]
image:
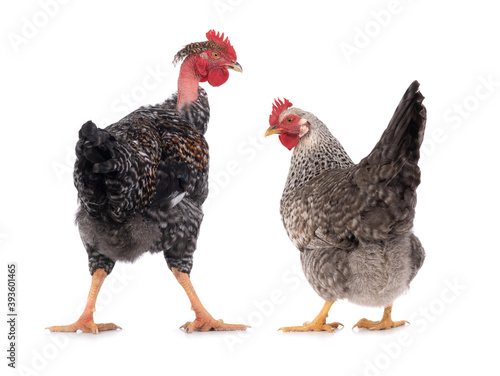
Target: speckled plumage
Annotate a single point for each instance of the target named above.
(353, 222)
(141, 183)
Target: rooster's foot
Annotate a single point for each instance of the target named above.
(86, 321)
(205, 324)
(86, 325)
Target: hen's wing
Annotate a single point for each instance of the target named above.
(375, 199)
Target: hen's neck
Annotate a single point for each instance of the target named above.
(187, 84)
(317, 152)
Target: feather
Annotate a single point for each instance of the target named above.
(353, 222)
(215, 41)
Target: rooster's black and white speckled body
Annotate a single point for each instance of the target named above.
(141, 183)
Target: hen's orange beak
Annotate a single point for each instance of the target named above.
(272, 130)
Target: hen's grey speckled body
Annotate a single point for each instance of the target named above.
(353, 223)
(141, 183)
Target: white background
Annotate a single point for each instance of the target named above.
(349, 63)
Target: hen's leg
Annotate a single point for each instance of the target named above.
(385, 323)
(86, 321)
(204, 321)
(318, 324)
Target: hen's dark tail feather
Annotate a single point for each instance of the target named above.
(389, 176)
(102, 174)
(398, 151)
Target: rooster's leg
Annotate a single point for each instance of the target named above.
(385, 323)
(318, 324)
(204, 321)
(86, 321)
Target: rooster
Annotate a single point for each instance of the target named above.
(142, 181)
(352, 223)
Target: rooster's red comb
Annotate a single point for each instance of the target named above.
(278, 108)
(224, 44)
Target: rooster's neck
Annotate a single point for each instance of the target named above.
(188, 83)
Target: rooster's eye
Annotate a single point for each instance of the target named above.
(215, 55)
(289, 120)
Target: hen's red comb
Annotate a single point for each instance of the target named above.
(224, 44)
(278, 108)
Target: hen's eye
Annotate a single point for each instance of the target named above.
(215, 55)
(289, 120)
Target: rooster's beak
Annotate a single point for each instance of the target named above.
(235, 66)
(272, 130)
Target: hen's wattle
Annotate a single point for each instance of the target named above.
(353, 222)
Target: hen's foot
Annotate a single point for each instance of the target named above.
(315, 326)
(86, 325)
(318, 324)
(205, 324)
(385, 323)
(379, 325)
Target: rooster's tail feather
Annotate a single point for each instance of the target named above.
(103, 174)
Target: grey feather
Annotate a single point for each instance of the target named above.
(353, 222)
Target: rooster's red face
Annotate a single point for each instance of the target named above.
(213, 66)
(289, 126)
(217, 55)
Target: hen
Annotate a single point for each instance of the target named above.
(142, 181)
(353, 222)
